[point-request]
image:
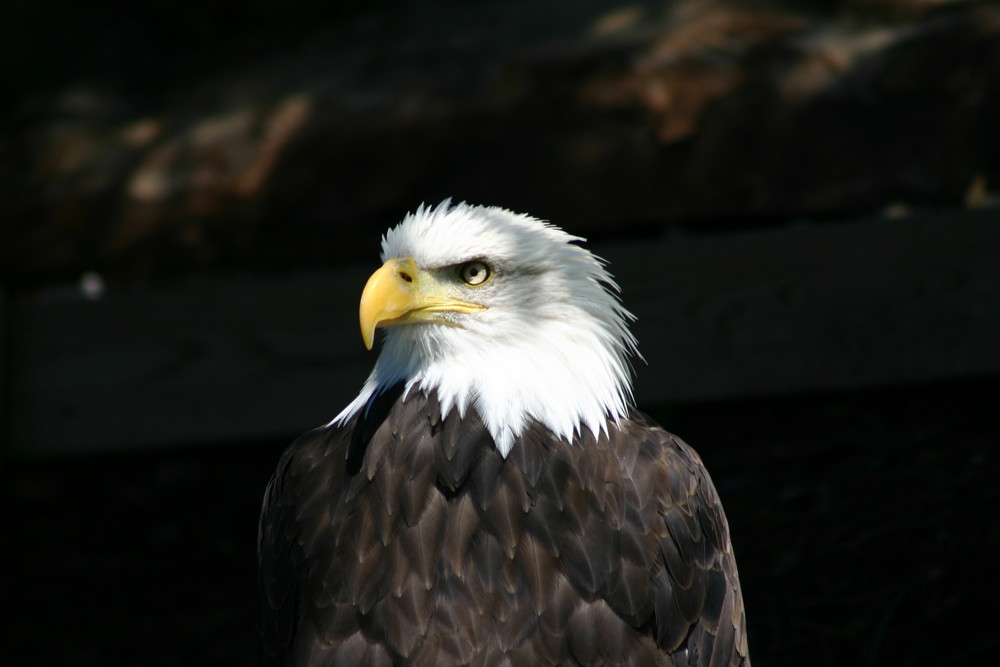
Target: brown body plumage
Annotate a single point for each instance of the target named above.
(435, 550)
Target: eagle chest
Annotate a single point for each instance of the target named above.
(443, 551)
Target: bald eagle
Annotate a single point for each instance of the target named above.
(492, 497)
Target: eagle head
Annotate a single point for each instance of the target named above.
(500, 313)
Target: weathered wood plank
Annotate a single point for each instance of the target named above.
(225, 360)
(242, 358)
(837, 306)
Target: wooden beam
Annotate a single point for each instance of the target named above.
(815, 308)
(251, 357)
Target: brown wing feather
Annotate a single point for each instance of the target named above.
(699, 581)
(405, 539)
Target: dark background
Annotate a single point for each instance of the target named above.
(161, 143)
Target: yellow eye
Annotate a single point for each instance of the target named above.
(474, 273)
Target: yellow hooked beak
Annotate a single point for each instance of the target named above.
(401, 293)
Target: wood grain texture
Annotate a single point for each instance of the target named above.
(239, 358)
(815, 308)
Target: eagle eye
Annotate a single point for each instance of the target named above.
(474, 273)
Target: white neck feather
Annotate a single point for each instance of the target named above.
(564, 378)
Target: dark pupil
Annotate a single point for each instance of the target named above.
(474, 272)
